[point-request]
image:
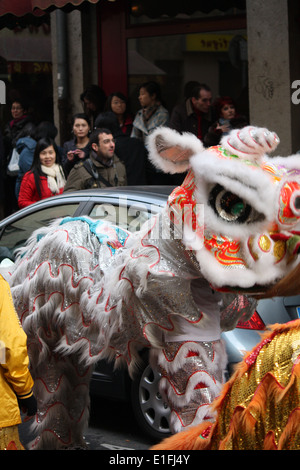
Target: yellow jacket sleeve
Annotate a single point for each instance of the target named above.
(14, 360)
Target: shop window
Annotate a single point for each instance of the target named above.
(149, 11)
(217, 59)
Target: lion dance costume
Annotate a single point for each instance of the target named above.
(258, 408)
(87, 290)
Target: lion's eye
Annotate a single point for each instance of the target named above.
(231, 207)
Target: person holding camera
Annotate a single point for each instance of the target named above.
(78, 148)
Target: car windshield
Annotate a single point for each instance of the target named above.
(130, 217)
(15, 235)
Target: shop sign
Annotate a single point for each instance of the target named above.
(208, 42)
(29, 67)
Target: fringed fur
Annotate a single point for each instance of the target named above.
(170, 151)
(288, 285)
(247, 418)
(160, 358)
(291, 431)
(250, 143)
(185, 440)
(200, 380)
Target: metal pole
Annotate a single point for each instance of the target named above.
(62, 73)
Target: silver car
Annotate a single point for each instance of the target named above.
(150, 410)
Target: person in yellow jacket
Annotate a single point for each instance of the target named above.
(16, 382)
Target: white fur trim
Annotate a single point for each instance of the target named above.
(173, 395)
(179, 361)
(250, 143)
(203, 412)
(261, 272)
(165, 138)
(250, 183)
(291, 163)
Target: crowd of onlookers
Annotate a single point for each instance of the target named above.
(108, 143)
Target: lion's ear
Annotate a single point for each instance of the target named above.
(170, 151)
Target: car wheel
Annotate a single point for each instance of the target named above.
(150, 410)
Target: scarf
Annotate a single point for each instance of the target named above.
(149, 111)
(13, 122)
(55, 177)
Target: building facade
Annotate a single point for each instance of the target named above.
(243, 48)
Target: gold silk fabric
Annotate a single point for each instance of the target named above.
(9, 439)
(259, 408)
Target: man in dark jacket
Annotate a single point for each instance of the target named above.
(193, 115)
(130, 150)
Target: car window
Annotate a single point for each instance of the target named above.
(16, 234)
(129, 217)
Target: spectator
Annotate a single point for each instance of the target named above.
(20, 119)
(79, 147)
(101, 169)
(227, 119)
(152, 114)
(45, 178)
(93, 99)
(26, 146)
(118, 104)
(20, 124)
(193, 115)
(189, 87)
(16, 383)
(46, 129)
(2, 162)
(130, 150)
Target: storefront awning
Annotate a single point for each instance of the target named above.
(14, 13)
(19, 13)
(157, 8)
(66, 5)
(25, 12)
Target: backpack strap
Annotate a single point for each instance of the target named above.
(88, 165)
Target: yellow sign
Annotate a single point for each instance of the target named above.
(29, 67)
(208, 42)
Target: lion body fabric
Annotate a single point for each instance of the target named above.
(86, 290)
(259, 407)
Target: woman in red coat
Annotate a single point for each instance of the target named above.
(45, 178)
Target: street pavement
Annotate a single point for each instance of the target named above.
(111, 427)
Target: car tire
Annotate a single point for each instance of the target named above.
(150, 410)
